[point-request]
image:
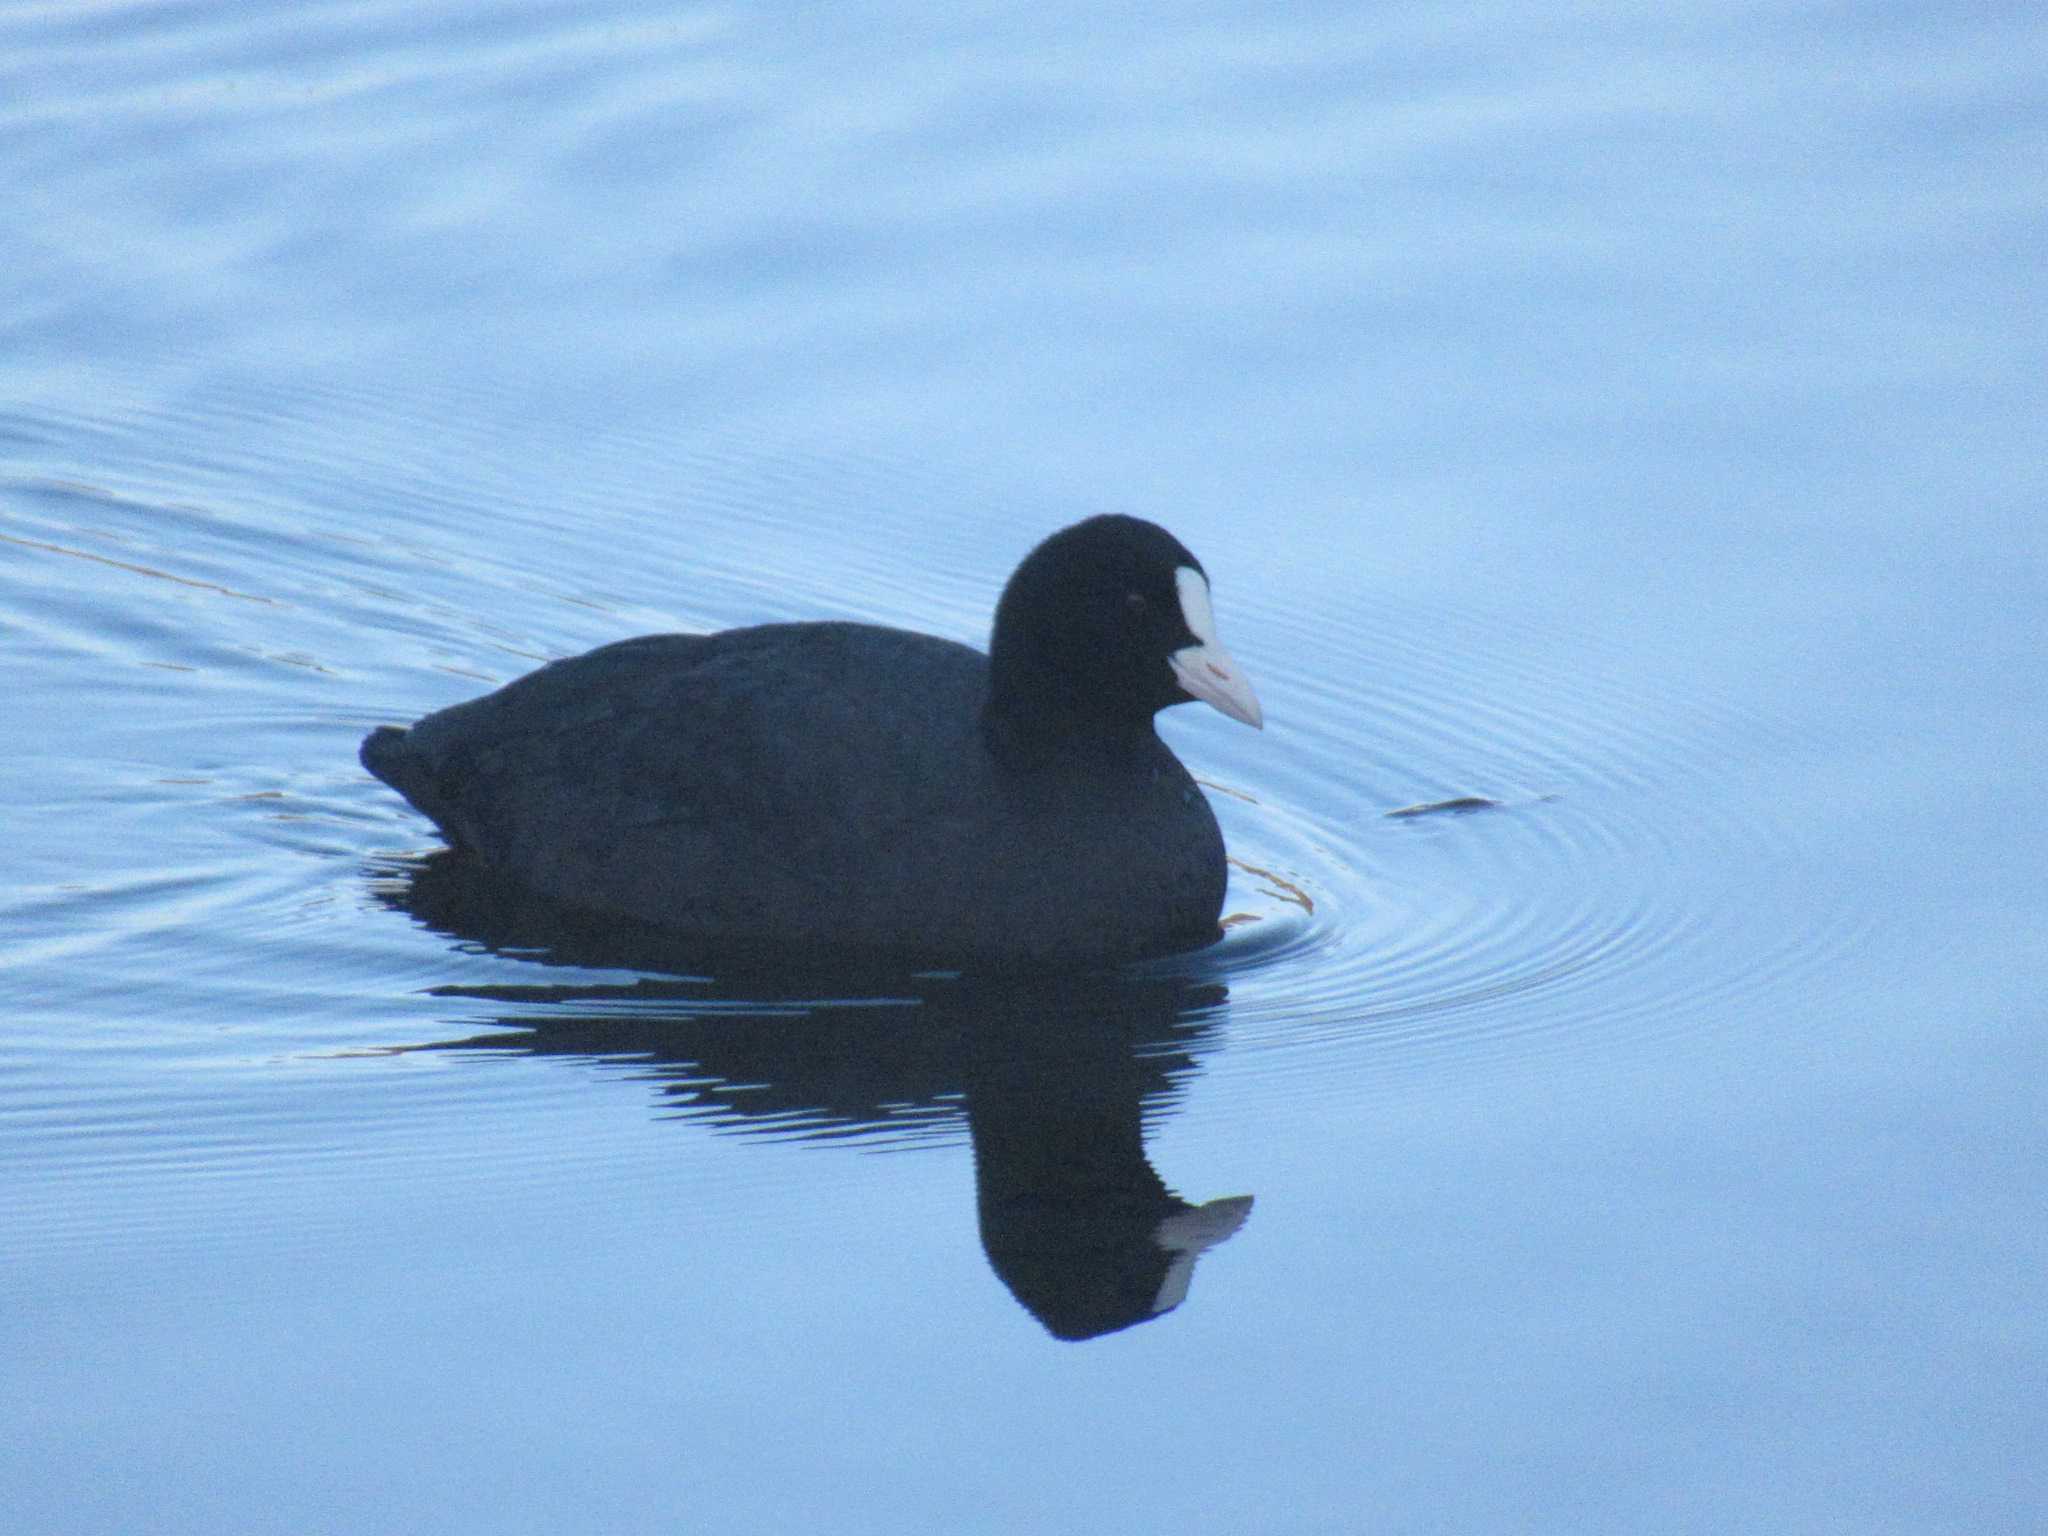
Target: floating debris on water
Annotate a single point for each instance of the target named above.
(1464, 805)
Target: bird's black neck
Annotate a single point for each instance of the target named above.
(1026, 727)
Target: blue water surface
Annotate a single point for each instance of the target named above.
(1627, 416)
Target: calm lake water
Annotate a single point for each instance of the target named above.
(1625, 414)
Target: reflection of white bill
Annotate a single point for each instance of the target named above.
(1187, 1235)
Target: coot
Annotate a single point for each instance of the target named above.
(847, 788)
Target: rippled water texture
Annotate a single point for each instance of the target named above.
(1616, 1101)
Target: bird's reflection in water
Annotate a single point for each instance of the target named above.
(1056, 1078)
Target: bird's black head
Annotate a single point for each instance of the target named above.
(1103, 625)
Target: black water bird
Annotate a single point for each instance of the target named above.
(857, 789)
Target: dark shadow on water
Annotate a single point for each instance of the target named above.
(1056, 1078)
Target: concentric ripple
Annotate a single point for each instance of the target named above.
(1595, 878)
(1600, 878)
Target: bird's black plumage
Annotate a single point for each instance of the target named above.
(854, 787)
